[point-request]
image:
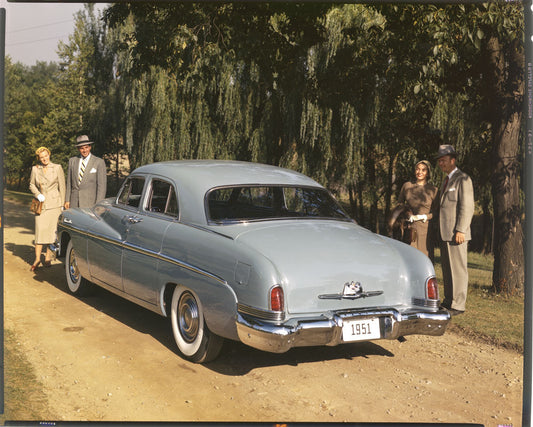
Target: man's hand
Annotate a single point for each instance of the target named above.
(67, 205)
(459, 237)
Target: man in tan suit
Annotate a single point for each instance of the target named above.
(86, 177)
(456, 208)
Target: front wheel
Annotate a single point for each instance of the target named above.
(76, 284)
(194, 339)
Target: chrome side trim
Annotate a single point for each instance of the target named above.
(153, 254)
(274, 316)
(428, 303)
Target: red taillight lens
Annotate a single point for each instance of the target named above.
(276, 298)
(432, 288)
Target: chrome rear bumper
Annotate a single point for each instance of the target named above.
(328, 330)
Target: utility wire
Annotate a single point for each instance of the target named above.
(40, 26)
(37, 41)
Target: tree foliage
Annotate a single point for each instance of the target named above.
(350, 94)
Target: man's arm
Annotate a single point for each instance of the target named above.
(101, 180)
(69, 187)
(465, 208)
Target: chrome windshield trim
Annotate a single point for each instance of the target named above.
(153, 254)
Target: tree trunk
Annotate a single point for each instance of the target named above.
(487, 230)
(508, 273)
(353, 201)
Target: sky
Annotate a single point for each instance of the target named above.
(33, 30)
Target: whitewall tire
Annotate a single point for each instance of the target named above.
(76, 284)
(194, 339)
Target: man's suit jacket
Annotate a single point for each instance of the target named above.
(456, 206)
(92, 187)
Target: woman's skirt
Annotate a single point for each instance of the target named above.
(46, 226)
(421, 242)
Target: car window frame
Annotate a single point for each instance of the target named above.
(126, 206)
(148, 192)
(211, 221)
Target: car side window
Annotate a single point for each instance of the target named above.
(131, 192)
(162, 198)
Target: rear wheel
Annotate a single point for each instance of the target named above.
(194, 339)
(76, 284)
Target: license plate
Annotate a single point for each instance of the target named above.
(360, 330)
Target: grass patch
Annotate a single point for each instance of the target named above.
(24, 399)
(16, 196)
(496, 319)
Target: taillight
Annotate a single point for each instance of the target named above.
(432, 288)
(276, 298)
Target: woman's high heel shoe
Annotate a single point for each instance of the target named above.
(34, 266)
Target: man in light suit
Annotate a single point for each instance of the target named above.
(456, 208)
(86, 177)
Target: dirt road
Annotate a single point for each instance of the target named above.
(104, 359)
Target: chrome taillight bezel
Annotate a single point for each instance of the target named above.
(276, 299)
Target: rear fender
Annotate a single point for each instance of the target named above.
(218, 299)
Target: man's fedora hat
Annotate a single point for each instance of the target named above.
(83, 140)
(446, 150)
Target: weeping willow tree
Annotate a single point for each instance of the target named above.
(349, 94)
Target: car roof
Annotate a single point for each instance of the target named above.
(195, 177)
(207, 174)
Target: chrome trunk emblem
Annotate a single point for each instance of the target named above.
(351, 290)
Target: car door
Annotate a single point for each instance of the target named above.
(106, 248)
(144, 237)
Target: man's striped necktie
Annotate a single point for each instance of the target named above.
(82, 169)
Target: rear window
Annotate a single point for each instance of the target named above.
(249, 203)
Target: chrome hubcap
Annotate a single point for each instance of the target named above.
(73, 267)
(188, 317)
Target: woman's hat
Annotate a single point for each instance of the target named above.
(83, 140)
(428, 166)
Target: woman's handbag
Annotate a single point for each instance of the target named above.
(36, 207)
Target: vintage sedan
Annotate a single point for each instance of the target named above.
(248, 252)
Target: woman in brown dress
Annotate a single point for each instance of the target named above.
(419, 195)
(47, 183)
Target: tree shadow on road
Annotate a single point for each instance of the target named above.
(120, 309)
(24, 252)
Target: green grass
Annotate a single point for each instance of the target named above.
(23, 393)
(18, 197)
(490, 317)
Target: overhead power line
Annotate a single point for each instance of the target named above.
(36, 41)
(39, 26)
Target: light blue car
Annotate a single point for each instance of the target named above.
(248, 252)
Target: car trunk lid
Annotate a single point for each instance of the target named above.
(317, 258)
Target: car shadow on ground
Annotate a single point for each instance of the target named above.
(235, 359)
(239, 359)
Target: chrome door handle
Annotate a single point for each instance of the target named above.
(133, 219)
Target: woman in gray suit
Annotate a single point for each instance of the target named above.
(47, 183)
